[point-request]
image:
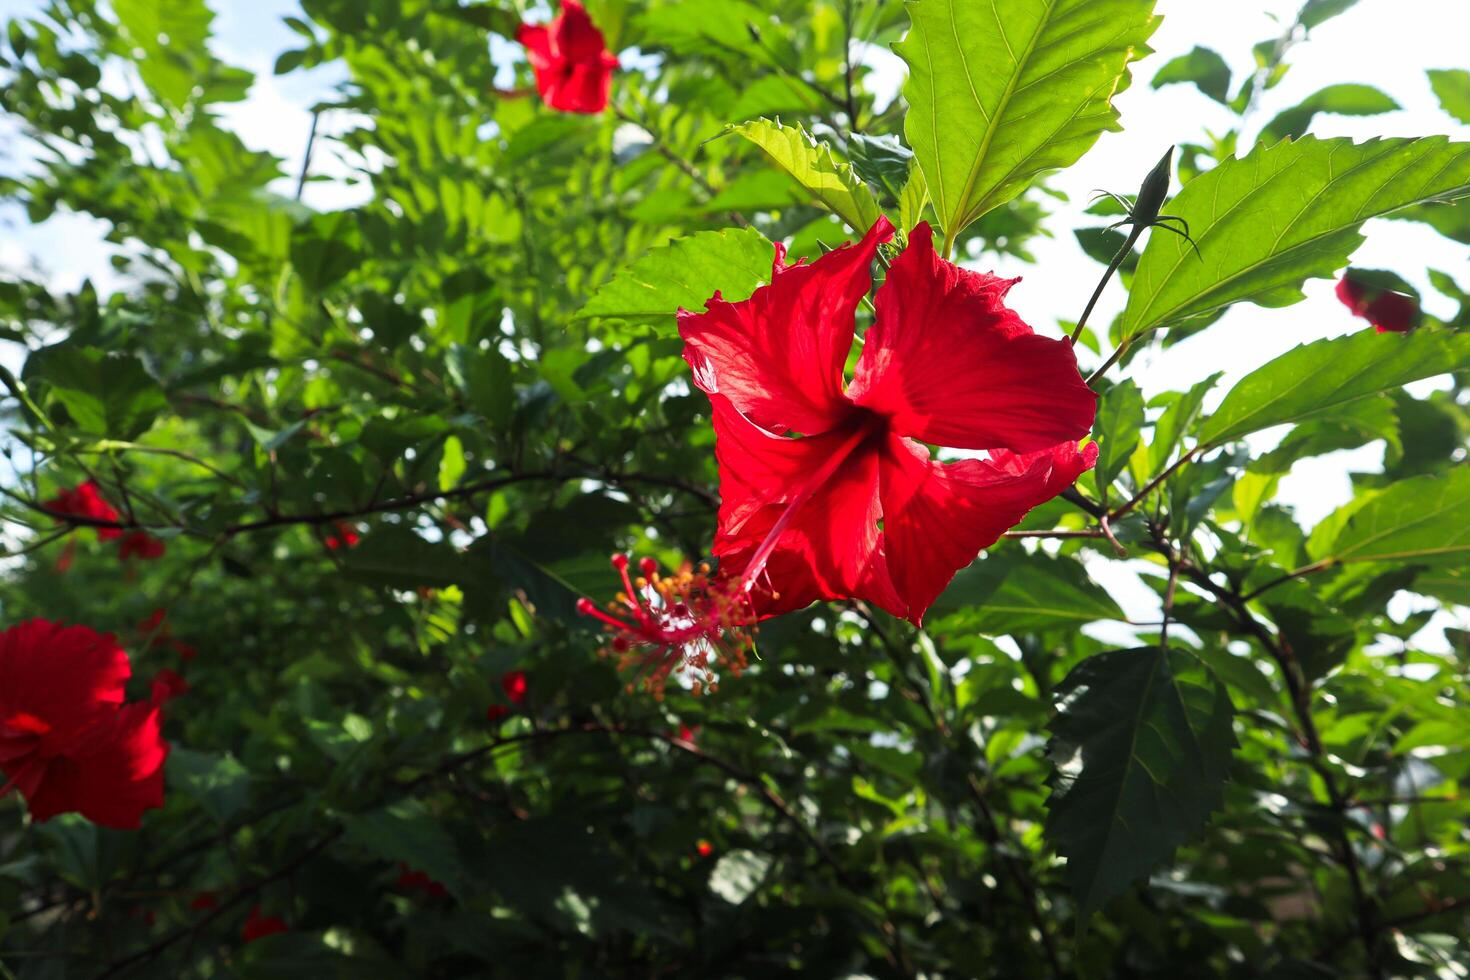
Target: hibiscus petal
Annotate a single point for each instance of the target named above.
(536, 39)
(113, 778)
(62, 675)
(938, 516)
(577, 39)
(831, 547)
(779, 355)
(951, 365)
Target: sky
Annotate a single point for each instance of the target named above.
(1384, 43)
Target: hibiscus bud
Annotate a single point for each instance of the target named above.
(1154, 191)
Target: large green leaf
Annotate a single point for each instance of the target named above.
(1141, 742)
(812, 165)
(1320, 378)
(684, 274)
(109, 394)
(1119, 422)
(1283, 214)
(1000, 92)
(1013, 593)
(1424, 519)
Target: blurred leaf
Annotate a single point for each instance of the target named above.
(1000, 93)
(1203, 68)
(1283, 214)
(1325, 376)
(1340, 100)
(216, 781)
(738, 874)
(1141, 743)
(814, 166)
(110, 394)
(1452, 86)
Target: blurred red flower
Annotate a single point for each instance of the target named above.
(411, 879)
(515, 686)
(1388, 311)
(141, 545)
(67, 741)
(945, 363)
(344, 536)
(167, 685)
(570, 59)
(258, 926)
(705, 848)
(203, 901)
(85, 500)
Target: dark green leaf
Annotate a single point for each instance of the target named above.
(1342, 100)
(1203, 68)
(1141, 743)
(109, 394)
(1119, 423)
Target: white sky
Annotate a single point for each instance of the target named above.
(1385, 43)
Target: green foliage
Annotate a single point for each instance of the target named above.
(1000, 93)
(812, 165)
(1452, 86)
(1313, 196)
(391, 444)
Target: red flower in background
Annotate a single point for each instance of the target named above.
(258, 926)
(203, 901)
(167, 685)
(945, 362)
(515, 686)
(344, 536)
(85, 500)
(67, 741)
(411, 879)
(704, 848)
(141, 545)
(570, 59)
(1388, 311)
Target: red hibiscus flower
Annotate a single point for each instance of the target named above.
(704, 848)
(258, 926)
(411, 879)
(945, 362)
(85, 500)
(1388, 311)
(67, 741)
(570, 59)
(496, 712)
(167, 685)
(141, 545)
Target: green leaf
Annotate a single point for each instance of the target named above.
(1016, 593)
(1341, 100)
(1119, 422)
(216, 781)
(1421, 520)
(1452, 86)
(813, 165)
(1286, 213)
(406, 832)
(1203, 68)
(1315, 12)
(1317, 379)
(1002, 92)
(451, 464)
(110, 394)
(1141, 742)
(882, 161)
(683, 275)
(738, 874)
